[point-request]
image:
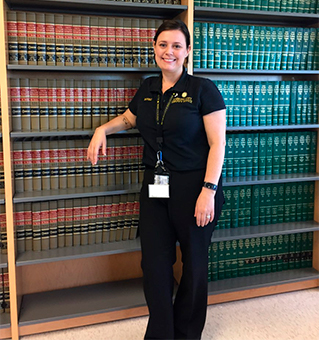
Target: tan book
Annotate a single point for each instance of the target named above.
(128, 216)
(61, 223)
(59, 39)
(92, 219)
(102, 31)
(77, 221)
(43, 104)
(28, 226)
(114, 217)
(112, 108)
(94, 41)
(18, 163)
(20, 226)
(119, 41)
(121, 218)
(128, 44)
(85, 40)
(151, 30)
(36, 164)
(134, 160)
(68, 40)
(119, 161)
(53, 104)
(79, 182)
(136, 43)
(107, 212)
(70, 156)
(77, 40)
(136, 212)
(68, 223)
(45, 165)
(120, 97)
(40, 39)
(84, 221)
(25, 104)
(54, 163)
(22, 38)
(87, 99)
(45, 226)
(111, 42)
(61, 104)
(99, 219)
(12, 36)
(34, 102)
(70, 104)
(3, 231)
(95, 175)
(27, 165)
(96, 97)
(31, 38)
(78, 104)
(63, 164)
(50, 39)
(53, 226)
(15, 104)
(126, 161)
(144, 42)
(104, 103)
(110, 159)
(36, 226)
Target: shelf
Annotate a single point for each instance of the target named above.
(4, 320)
(81, 301)
(272, 127)
(257, 72)
(57, 133)
(59, 194)
(268, 179)
(264, 230)
(78, 252)
(261, 280)
(231, 15)
(99, 7)
(3, 261)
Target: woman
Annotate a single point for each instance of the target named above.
(182, 121)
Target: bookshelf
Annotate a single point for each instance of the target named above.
(107, 276)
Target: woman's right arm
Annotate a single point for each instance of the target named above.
(123, 122)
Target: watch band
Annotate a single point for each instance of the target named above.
(211, 186)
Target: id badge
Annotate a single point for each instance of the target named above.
(160, 188)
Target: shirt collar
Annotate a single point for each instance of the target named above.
(180, 86)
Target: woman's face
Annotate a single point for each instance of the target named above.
(170, 51)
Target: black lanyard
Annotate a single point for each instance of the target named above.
(159, 124)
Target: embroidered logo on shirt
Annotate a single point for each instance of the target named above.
(148, 99)
(183, 100)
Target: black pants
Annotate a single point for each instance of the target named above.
(163, 221)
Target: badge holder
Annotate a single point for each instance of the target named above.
(160, 188)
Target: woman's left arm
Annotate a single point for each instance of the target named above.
(215, 126)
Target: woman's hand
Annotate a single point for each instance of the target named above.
(98, 140)
(204, 209)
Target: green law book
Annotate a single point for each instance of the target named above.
(269, 153)
(304, 48)
(274, 257)
(271, 5)
(210, 45)
(283, 6)
(299, 202)
(241, 204)
(236, 153)
(249, 103)
(255, 153)
(274, 206)
(273, 48)
(234, 258)
(242, 154)
(313, 148)
(307, 150)
(231, 101)
(269, 102)
(292, 48)
(225, 93)
(299, 101)
(231, 3)
(230, 46)
(304, 250)
(258, 5)
(217, 45)
(301, 152)
(244, 4)
(298, 48)
(302, 6)
(197, 45)
(315, 102)
(281, 102)
(276, 155)
(309, 249)
(251, 4)
(262, 154)
(224, 46)
(305, 203)
(237, 47)
(221, 260)
(310, 113)
(275, 101)
(262, 103)
(311, 49)
(293, 207)
(263, 255)
(247, 257)
(223, 3)
(237, 104)
(292, 251)
(289, 5)
(250, 47)
(262, 205)
(305, 100)
(280, 254)
(255, 205)
(294, 7)
(293, 102)
(248, 206)
(312, 7)
(258, 256)
(253, 255)
(243, 104)
(262, 47)
(311, 201)
(267, 52)
(249, 154)
(256, 47)
(256, 102)
(214, 261)
(295, 153)
(240, 257)
(269, 254)
(264, 5)
(203, 45)
(281, 202)
(283, 152)
(285, 258)
(287, 216)
(287, 102)
(229, 155)
(285, 48)
(316, 56)
(243, 46)
(268, 193)
(227, 207)
(279, 45)
(234, 207)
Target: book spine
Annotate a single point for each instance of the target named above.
(197, 45)
(25, 104)
(45, 227)
(203, 44)
(77, 221)
(50, 39)
(210, 45)
(69, 223)
(34, 103)
(73, 102)
(230, 46)
(43, 104)
(59, 39)
(61, 223)
(22, 38)
(244, 39)
(94, 41)
(77, 40)
(255, 205)
(119, 42)
(61, 103)
(85, 40)
(68, 42)
(45, 165)
(12, 36)
(52, 103)
(31, 38)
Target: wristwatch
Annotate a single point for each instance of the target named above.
(211, 186)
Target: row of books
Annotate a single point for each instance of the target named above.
(4, 291)
(74, 222)
(50, 104)
(61, 162)
(260, 255)
(252, 154)
(263, 204)
(294, 6)
(265, 103)
(80, 40)
(228, 46)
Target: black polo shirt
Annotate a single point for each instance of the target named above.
(185, 145)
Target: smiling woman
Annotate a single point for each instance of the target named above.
(182, 121)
